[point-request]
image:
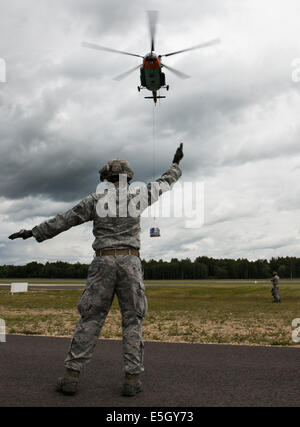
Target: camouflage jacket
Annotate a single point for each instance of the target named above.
(275, 280)
(111, 231)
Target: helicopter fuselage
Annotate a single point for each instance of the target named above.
(152, 77)
(151, 73)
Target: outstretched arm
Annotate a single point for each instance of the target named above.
(81, 213)
(166, 181)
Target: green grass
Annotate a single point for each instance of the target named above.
(195, 312)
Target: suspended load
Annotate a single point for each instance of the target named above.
(155, 232)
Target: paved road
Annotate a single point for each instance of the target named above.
(176, 375)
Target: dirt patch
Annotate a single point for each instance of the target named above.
(172, 326)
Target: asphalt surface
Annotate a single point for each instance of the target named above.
(176, 375)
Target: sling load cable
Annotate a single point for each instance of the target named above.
(154, 231)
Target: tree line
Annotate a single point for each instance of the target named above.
(184, 269)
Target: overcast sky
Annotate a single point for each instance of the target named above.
(62, 117)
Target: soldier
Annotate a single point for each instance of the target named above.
(275, 289)
(116, 269)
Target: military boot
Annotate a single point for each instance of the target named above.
(132, 385)
(69, 382)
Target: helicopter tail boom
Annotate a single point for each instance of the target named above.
(154, 97)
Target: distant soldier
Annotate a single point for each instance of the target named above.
(275, 288)
(116, 269)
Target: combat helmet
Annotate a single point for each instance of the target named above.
(114, 168)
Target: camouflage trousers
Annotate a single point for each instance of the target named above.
(275, 293)
(109, 275)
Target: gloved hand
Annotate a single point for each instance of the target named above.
(178, 155)
(23, 234)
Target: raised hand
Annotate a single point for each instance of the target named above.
(178, 155)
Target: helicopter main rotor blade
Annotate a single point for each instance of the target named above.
(152, 18)
(199, 46)
(123, 75)
(108, 49)
(178, 73)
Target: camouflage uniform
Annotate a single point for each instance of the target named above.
(109, 275)
(275, 289)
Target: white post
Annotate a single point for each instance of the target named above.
(2, 331)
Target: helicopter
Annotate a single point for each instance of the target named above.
(151, 75)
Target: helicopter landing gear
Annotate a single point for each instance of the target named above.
(139, 89)
(167, 87)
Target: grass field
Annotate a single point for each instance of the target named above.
(227, 312)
